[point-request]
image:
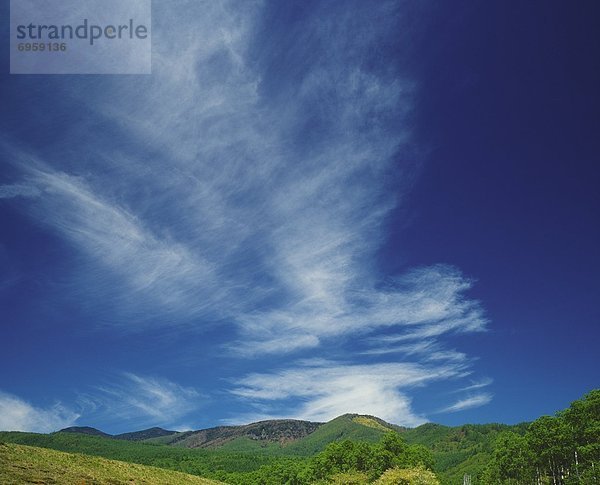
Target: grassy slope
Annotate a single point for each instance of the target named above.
(27, 464)
(371, 423)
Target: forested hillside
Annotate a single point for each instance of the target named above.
(461, 450)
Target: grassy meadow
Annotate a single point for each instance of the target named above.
(27, 464)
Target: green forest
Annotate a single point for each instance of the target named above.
(559, 450)
(562, 449)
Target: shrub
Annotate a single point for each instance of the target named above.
(408, 476)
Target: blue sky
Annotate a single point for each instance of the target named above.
(309, 208)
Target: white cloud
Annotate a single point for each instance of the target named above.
(424, 304)
(155, 270)
(477, 385)
(329, 389)
(425, 350)
(140, 401)
(18, 190)
(19, 415)
(471, 402)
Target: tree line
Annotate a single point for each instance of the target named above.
(391, 461)
(560, 450)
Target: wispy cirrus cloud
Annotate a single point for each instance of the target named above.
(420, 306)
(140, 401)
(471, 402)
(136, 400)
(18, 190)
(485, 382)
(424, 350)
(154, 269)
(17, 414)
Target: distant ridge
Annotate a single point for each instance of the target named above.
(280, 431)
(85, 430)
(304, 437)
(145, 434)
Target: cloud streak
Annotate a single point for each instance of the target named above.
(471, 402)
(19, 415)
(140, 401)
(152, 268)
(421, 306)
(18, 190)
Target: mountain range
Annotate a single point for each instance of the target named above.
(457, 450)
(280, 431)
